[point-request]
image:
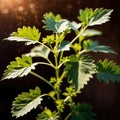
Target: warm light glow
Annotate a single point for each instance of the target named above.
(14, 6)
(7, 5)
(21, 10)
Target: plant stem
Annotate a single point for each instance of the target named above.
(67, 117)
(61, 56)
(42, 78)
(56, 64)
(80, 33)
(44, 63)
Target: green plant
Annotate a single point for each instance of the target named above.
(72, 64)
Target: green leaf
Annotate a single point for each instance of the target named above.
(92, 17)
(25, 102)
(50, 21)
(82, 112)
(80, 71)
(19, 68)
(58, 25)
(39, 51)
(91, 32)
(100, 16)
(62, 26)
(108, 71)
(94, 46)
(64, 46)
(49, 39)
(48, 115)
(26, 34)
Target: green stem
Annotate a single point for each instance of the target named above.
(44, 63)
(67, 117)
(45, 46)
(63, 75)
(61, 56)
(56, 66)
(42, 78)
(80, 33)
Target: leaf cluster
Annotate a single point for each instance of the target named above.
(75, 68)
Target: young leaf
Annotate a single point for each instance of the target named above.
(108, 71)
(25, 102)
(26, 34)
(48, 115)
(92, 17)
(94, 46)
(49, 39)
(64, 46)
(39, 51)
(82, 112)
(19, 68)
(80, 71)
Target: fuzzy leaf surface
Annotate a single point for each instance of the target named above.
(82, 112)
(92, 17)
(108, 71)
(80, 71)
(19, 68)
(25, 102)
(94, 46)
(26, 34)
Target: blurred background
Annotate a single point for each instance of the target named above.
(17, 13)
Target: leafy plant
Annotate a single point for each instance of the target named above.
(74, 70)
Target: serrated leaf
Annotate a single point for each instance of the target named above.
(92, 17)
(64, 46)
(108, 71)
(58, 25)
(39, 51)
(80, 71)
(50, 21)
(100, 16)
(82, 112)
(25, 102)
(26, 34)
(19, 68)
(94, 46)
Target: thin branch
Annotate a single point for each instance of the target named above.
(42, 78)
(80, 33)
(67, 117)
(44, 63)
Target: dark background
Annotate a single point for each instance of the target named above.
(104, 98)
